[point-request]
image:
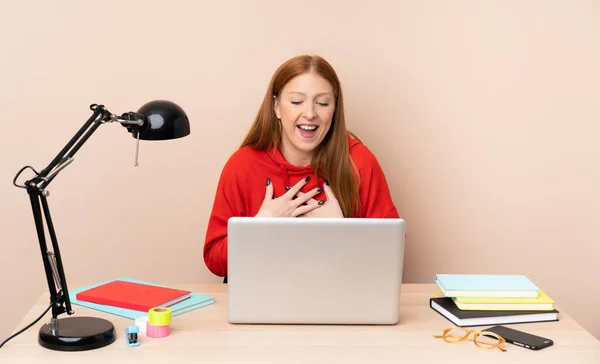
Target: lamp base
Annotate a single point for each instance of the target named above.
(77, 334)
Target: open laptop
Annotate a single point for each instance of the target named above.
(315, 270)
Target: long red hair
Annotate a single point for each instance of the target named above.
(332, 155)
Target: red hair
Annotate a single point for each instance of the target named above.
(332, 155)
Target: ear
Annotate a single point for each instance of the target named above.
(276, 105)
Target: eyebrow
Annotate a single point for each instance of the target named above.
(319, 94)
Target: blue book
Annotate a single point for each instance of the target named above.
(486, 285)
(196, 301)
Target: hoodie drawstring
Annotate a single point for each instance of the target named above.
(285, 174)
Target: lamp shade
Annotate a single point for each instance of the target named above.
(163, 120)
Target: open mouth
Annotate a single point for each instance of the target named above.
(307, 131)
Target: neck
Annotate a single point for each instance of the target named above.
(296, 157)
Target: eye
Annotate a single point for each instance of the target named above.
(323, 103)
(296, 102)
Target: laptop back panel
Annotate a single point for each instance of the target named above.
(315, 271)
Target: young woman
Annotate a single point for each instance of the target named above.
(298, 160)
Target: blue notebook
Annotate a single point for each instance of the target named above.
(486, 285)
(196, 301)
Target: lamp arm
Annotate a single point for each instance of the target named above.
(99, 110)
(100, 116)
(36, 188)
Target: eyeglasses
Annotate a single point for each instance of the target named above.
(485, 339)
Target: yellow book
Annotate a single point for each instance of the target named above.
(542, 303)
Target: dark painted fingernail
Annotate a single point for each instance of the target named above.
(287, 187)
(274, 197)
(321, 202)
(327, 183)
(307, 179)
(319, 189)
(268, 181)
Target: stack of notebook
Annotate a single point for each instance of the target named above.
(133, 298)
(491, 299)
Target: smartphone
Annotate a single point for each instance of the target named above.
(521, 338)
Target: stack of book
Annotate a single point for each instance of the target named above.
(132, 298)
(491, 299)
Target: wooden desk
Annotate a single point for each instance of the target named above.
(205, 336)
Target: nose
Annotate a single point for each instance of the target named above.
(309, 111)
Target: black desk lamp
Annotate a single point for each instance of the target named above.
(156, 120)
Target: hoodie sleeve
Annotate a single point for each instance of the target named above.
(227, 203)
(375, 198)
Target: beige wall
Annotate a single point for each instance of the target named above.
(484, 115)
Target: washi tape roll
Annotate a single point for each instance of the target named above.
(157, 331)
(159, 316)
(141, 323)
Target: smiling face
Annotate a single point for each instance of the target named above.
(305, 106)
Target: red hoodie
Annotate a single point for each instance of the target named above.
(242, 184)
